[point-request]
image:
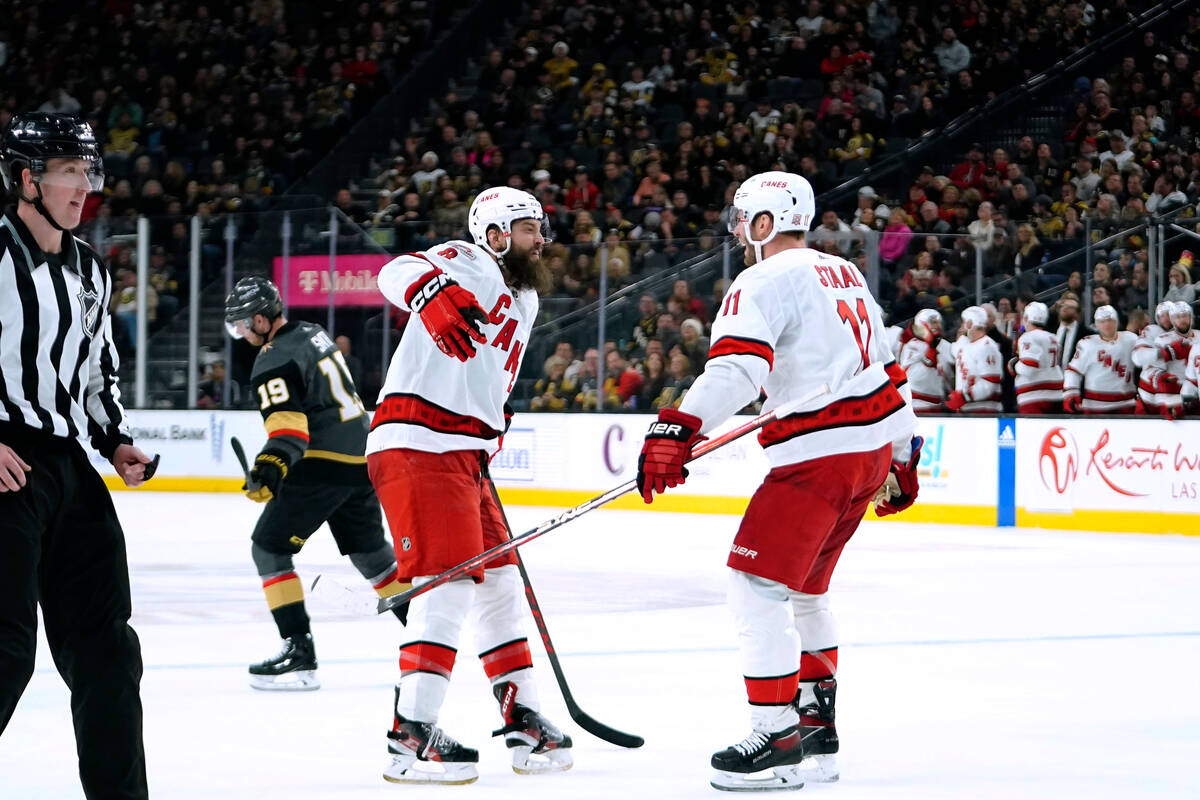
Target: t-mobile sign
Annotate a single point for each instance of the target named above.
(308, 280)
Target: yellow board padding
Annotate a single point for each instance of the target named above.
(286, 420)
(392, 588)
(284, 593)
(1112, 521)
(1078, 520)
(330, 455)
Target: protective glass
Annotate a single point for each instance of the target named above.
(73, 177)
(238, 328)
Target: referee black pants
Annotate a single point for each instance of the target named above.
(62, 545)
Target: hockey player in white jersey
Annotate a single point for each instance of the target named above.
(1036, 365)
(441, 414)
(1099, 379)
(978, 367)
(1164, 364)
(1189, 392)
(795, 320)
(1145, 357)
(928, 362)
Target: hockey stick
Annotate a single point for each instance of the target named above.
(241, 456)
(471, 564)
(582, 719)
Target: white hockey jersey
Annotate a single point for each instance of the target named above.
(1039, 371)
(930, 375)
(1190, 392)
(789, 324)
(1103, 373)
(977, 374)
(436, 403)
(1149, 356)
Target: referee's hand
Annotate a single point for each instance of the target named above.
(12, 470)
(131, 464)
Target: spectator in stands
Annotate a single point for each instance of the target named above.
(621, 381)
(952, 55)
(211, 388)
(969, 173)
(1181, 289)
(654, 379)
(1137, 293)
(693, 341)
(583, 194)
(1029, 250)
(1085, 181)
(553, 391)
(679, 380)
(586, 379)
(425, 180)
(1166, 197)
(681, 291)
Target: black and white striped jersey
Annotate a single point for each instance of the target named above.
(58, 364)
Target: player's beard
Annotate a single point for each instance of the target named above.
(527, 272)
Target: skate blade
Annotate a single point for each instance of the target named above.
(408, 771)
(299, 681)
(781, 779)
(526, 762)
(820, 769)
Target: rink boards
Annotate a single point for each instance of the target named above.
(1069, 473)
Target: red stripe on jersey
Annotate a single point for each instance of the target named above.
(1029, 362)
(506, 658)
(1108, 397)
(412, 409)
(427, 657)
(287, 576)
(896, 374)
(1037, 387)
(992, 378)
(741, 346)
(928, 398)
(772, 691)
(817, 665)
(288, 432)
(1072, 369)
(845, 413)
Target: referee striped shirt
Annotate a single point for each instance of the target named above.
(58, 364)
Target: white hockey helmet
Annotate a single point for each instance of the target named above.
(501, 207)
(925, 319)
(1105, 312)
(1181, 316)
(1036, 313)
(1163, 309)
(974, 317)
(787, 197)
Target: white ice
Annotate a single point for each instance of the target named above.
(975, 663)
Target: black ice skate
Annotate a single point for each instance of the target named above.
(820, 735)
(422, 753)
(537, 746)
(780, 752)
(292, 669)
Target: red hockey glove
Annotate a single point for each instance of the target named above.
(1177, 349)
(899, 491)
(1166, 383)
(668, 444)
(931, 356)
(956, 400)
(449, 312)
(1071, 404)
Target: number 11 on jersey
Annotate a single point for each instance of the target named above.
(858, 324)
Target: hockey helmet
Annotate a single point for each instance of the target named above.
(927, 319)
(1162, 310)
(1181, 316)
(788, 198)
(33, 139)
(1105, 312)
(251, 295)
(1036, 313)
(501, 207)
(974, 317)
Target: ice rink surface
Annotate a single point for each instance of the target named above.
(975, 663)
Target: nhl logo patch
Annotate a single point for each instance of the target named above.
(405, 543)
(89, 310)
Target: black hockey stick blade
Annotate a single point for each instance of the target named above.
(581, 717)
(151, 468)
(241, 455)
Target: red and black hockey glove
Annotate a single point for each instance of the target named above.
(899, 491)
(1071, 404)
(956, 400)
(449, 312)
(1176, 350)
(668, 444)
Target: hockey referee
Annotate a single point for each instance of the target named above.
(60, 540)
